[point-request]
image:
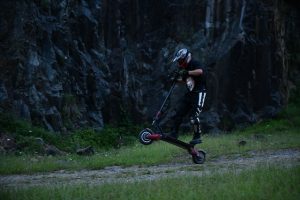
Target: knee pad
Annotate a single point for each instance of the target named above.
(197, 129)
(195, 120)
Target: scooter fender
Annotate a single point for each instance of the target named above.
(154, 136)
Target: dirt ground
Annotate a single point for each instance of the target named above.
(117, 174)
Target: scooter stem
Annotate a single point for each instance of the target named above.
(158, 114)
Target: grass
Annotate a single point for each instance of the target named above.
(274, 134)
(262, 182)
(156, 153)
(26, 136)
(279, 133)
(136, 155)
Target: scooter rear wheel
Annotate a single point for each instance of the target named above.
(199, 158)
(143, 136)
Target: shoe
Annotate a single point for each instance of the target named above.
(195, 141)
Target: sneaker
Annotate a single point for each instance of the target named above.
(195, 141)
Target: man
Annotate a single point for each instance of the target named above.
(193, 74)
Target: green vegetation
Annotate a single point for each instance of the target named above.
(279, 133)
(119, 145)
(268, 132)
(26, 136)
(264, 182)
(126, 156)
(155, 153)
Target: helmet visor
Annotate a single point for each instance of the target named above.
(181, 61)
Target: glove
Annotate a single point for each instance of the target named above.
(183, 73)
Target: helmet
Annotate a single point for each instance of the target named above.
(181, 55)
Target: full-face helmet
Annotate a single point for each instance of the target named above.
(181, 57)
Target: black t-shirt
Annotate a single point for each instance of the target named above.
(200, 81)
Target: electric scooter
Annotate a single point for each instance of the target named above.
(147, 136)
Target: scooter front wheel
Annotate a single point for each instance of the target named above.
(199, 158)
(143, 136)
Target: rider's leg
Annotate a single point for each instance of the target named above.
(197, 134)
(181, 110)
(195, 119)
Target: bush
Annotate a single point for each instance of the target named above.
(29, 144)
(109, 137)
(89, 137)
(26, 134)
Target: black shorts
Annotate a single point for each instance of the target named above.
(191, 102)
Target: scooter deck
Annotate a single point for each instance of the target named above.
(171, 140)
(177, 142)
(147, 137)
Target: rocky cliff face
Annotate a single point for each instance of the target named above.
(72, 63)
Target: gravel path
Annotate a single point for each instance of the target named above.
(116, 174)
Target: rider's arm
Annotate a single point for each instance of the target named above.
(180, 80)
(196, 72)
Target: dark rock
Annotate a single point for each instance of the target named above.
(96, 119)
(241, 117)
(3, 92)
(21, 109)
(242, 143)
(113, 58)
(210, 122)
(52, 150)
(53, 117)
(48, 149)
(88, 151)
(268, 112)
(7, 143)
(40, 141)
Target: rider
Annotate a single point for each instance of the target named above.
(193, 73)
